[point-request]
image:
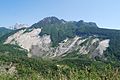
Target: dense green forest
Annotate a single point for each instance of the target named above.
(81, 68)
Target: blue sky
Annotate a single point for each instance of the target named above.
(106, 13)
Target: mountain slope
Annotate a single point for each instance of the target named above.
(4, 31)
(52, 37)
(79, 50)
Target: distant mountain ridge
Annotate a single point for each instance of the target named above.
(4, 31)
(18, 26)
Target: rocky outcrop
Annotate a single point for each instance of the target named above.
(18, 26)
(41, 45)
(8, 69)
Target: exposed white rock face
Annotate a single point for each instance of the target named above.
(65, 46)
(103, 45)
(41, 45)
(66, 40)
(27, 39)
(12, 37)
(95, 40)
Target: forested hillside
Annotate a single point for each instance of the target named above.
(15, 63)
(4, 31)
(61, 29)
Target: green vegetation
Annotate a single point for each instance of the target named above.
(59, 30)
(77, 68)
(73, 66)
(4, 31)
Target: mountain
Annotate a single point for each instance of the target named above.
(53, 37)
(4, 31)
(18, 26)
(56, 49)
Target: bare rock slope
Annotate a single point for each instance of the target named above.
(41, 45)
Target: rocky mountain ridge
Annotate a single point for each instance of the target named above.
(18, 26)
(41, 45)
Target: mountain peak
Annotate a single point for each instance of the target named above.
(50, 20)
(18, 26)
